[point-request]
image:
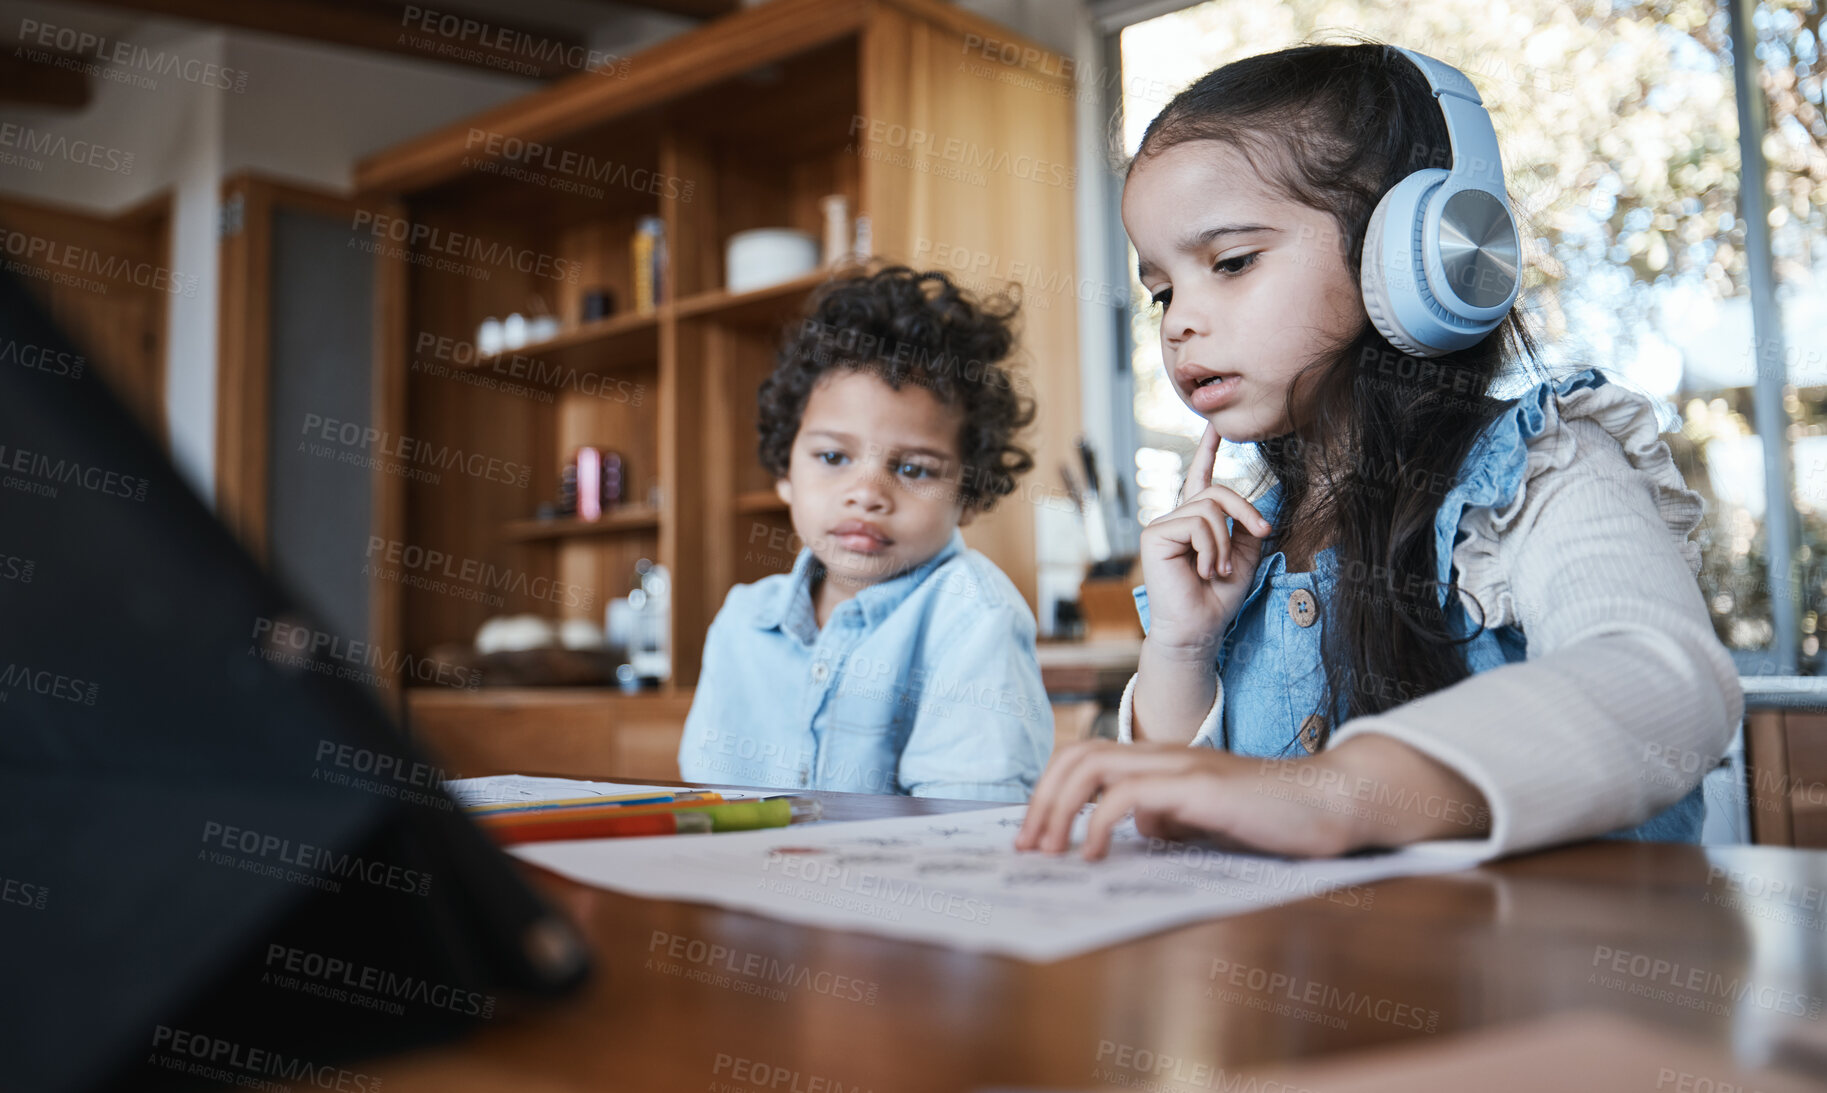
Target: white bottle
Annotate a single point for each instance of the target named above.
(488, 337)
(514, 331)
(865, 238)
(837, 246)
(651, 651)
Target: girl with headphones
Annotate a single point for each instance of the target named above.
(1441, 615)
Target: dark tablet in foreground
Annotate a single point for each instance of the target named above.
(220, 861)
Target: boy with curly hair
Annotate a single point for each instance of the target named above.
(892, 659)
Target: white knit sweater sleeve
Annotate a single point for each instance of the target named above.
(1626, 697)
(1205, 737)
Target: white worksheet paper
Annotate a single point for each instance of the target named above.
(956, 880)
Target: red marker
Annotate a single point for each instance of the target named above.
(603, 827)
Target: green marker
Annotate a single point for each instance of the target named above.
(754, 815)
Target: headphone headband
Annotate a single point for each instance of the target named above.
(1442, 78)
(1468, 126)
(1442, 254)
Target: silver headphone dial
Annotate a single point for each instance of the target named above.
(1479, 248)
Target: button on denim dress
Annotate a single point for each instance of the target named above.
(1270, 662)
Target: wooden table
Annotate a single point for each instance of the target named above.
(1403, 961)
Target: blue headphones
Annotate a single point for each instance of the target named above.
(1442, 258)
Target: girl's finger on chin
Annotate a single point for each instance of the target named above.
(1205, 458)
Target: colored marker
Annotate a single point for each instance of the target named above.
(604, 827)
(587, 812)
(623, 799)
(725, 816)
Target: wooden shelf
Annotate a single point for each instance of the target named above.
(592, 348)
(631, 518)
(579, 732)
(745, 122)
(776, 303)
(695, 9)
(755, 501)
(711, 55)
(623, 341)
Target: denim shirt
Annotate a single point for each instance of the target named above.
(924, 684)
(1270, 663)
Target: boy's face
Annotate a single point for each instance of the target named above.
(1255, 284)
(873, 478)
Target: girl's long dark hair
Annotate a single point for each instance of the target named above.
(1336, 127)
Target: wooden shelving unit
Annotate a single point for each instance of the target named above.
(632, 518)
(742, 123)
(598, 347)
(759, 501)
(776, 303)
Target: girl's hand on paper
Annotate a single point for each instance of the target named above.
(1371, 790)
(1177, 792)
(1197, 570)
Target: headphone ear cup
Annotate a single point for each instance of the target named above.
(1391, 267)
(1375, 286)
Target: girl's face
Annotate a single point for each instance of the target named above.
(1252, 284)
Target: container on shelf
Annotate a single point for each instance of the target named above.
(599, 303)
(514, 331)
(651, 651)
(649, 251)
(593, 482)
(567, 489)
(864, 247)
(768, 256)
(489, 337)
(589, 483)
(614, 478)
(641, 623)
(837, 246)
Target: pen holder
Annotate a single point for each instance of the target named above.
(1109, 608)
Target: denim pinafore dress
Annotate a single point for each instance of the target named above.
(1269, 659)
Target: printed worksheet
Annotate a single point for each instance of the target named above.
(956, 879)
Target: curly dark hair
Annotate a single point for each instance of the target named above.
(908, 326)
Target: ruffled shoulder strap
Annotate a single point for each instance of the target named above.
(1529, 440)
